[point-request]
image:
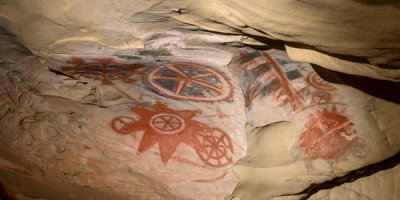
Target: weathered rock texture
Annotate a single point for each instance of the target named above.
(161, 100)
(366, 30)
(382, 185)
(169, 129)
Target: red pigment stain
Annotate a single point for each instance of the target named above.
(87, 147)
(285, 94)
(104, 69)
(189, 81)
(283, 91)
(211, 180)
(325, 137)
(319, 98)
(6, 164)
(169, 128)
(317, 82)
(328, 134)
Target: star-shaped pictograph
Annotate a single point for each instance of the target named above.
(169, 128)
(161, 125)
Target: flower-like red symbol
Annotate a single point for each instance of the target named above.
(327, 137)
(169, 128)
(189, 81)
(104, 69)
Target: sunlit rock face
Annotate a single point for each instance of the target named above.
(194, 100)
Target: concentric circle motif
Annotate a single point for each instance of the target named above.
(167, 124)
(189, 81)
(317, 82)
(214, 147)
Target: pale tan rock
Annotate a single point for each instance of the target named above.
(382, 185)
(340, 65)
(366, 29)
(341, 27)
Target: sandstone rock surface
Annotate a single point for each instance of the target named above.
(367, 30)
(138, 128)
(153, 99)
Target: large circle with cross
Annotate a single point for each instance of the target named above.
(189, 81)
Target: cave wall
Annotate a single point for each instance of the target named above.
(263, 99)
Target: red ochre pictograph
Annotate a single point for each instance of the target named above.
(326, 136)
(317, 82)
(104, 69)
(272, 79)
(327, 133)
(189, 81)
(319, 98)
(169, 128)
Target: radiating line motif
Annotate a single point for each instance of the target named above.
(189, 81)
(169, 128)
(327, 136)
(104, 69)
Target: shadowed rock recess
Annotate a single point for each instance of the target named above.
(213, 99)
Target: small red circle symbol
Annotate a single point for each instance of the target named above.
(189, 81)
(321, 98)
(214, 147)
(317, 82)
(165, 123)
(120, 124)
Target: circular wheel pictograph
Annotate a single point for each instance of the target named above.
(105, 70)
(317, 82)
(168, 124)
(189, 81)
(321, 98)
(214, 147)
(120, 124)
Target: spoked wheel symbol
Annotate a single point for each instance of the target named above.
(165, 123)
(189, 81)
(214, 147)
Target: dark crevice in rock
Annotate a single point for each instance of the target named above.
(269, 43)
(352, 176)
(394, 3)
(14, 42)
(279, 44)
(61, 73)
(386, 90)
